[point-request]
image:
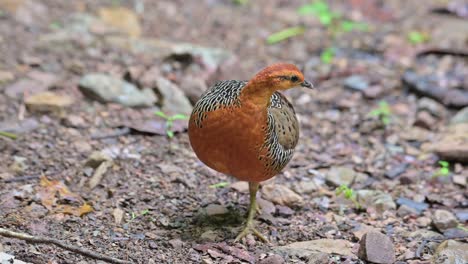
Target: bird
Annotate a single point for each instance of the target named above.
(248, 129)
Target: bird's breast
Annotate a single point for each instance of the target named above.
(230, 140)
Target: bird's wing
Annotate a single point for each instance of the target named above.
(221, 94)
(283, 117)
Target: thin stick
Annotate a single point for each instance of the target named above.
(48, 240)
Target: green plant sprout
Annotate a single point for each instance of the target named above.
(219, 185)
(417, 37)
(136, 215)
(170, 121)
(327, 55)
(444, 169)
(285, 34)
(55, 25)
(383, 112)
(240, 2)
(334, 21)
(348, 194)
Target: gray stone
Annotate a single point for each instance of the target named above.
(209, 236)
(451, 144)
(107, 89)
(375, 199)
(432, 106)
(418, 207)
(306, 249)
(460, 117)
(305, 187)
(273, 259)
(215, 209)
(462, 215)
(337, 176)
(451, 252)
(280, 194)
(405, 210)
(173, 99)
(377, 248)
(356, 82)
(443, 220)
(460, 179)
(422, 234)
(396, 170)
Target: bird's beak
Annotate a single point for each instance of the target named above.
(307, 84)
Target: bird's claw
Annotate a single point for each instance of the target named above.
(250, 229)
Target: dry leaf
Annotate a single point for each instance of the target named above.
(51, 192)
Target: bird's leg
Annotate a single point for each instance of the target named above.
(249, 225)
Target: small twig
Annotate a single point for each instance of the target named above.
(119, 132)
(22, 178)
(48, 240)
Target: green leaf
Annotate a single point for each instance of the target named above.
(240, 2)
(416, 37)
(385, 120)
(284, 34)
(316, 7)
(170, 133)
(444, 171)
(8, 135)
(161, 114)
(349, 193)
(178, 117)
(144, 212)
(327, 55)
(325, 18)
(348, 26)
(219, 185)
(133, 215)
(55, 25)
(444, 163)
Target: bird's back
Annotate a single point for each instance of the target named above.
(233, 138)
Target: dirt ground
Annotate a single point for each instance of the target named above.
(157, 203)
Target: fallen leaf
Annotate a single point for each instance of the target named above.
(51, 192)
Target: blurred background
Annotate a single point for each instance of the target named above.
(94, 97)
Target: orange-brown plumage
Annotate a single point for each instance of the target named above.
(247, 129)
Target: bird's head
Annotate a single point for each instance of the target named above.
(281, 76)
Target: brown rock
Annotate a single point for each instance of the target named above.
(6, 76)
(240, 186)
(451, 251)
(193, 88)
(443, 220)
(215, 209)
(425, 120)
(377, 248)
(280, 194)
(452, 144)
(122, 18)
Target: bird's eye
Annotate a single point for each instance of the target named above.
(294, 78)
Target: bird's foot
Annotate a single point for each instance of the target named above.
(249, 228)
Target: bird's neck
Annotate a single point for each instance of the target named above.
(256, 93)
